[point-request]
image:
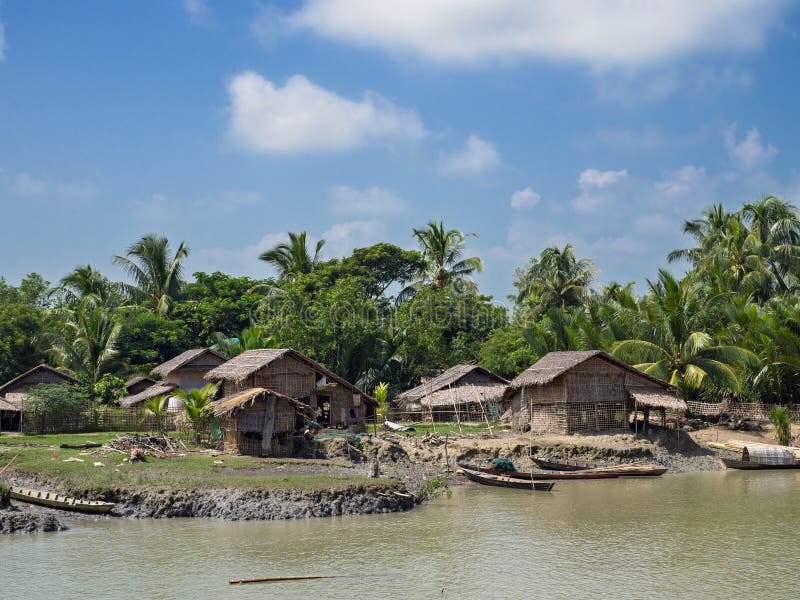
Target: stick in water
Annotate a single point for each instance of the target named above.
(276, 579)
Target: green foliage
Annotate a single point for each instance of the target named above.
(782, 420)
(381, 395)
(22, 344)
(293, 258)
(54, 399)
(147, 339)
(507, 351)
(554, 280)
(108, 389)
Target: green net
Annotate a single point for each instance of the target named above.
(504, 464)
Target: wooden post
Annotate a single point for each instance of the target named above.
(269, 426)
(455, 407)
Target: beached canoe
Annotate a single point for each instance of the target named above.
(509, 482)
(54, 500)
(629, 470)
(754, 466)
(530, 476)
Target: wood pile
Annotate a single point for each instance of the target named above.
(739, 445)
(138, 445)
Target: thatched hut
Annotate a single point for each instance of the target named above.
(156, 390)
(464, 392)
(260, 422)
(134, 385)
(334, 401)
(9, 416)
(572, 392)
(14, 391)
(188, 369)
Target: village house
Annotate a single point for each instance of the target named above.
(184, 372)
(464, 392)
(13, 392)
(583, 392)
(269, 394)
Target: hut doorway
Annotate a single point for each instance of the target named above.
(9, 420)
(324, 410)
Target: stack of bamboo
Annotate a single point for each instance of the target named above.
(738, 446)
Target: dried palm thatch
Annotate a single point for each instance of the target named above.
(655, 399)
(554, 364)
(8, 407)
(249, 362)
(36, 375)
(239, 400)
(449, 379)
(154, 391)
(165, 368)
(463, 394)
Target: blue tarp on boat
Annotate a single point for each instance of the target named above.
(769, 455)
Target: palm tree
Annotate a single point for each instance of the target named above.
(293, 258)
(156, 275)
(708, 231)
(250, 338)
(443, 252)
(674, 348)
(196, 405)
(85, 281)
(86, 345)
(556, 278)
(777, 226)
(157, 407)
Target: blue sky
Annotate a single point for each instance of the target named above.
(227, 124)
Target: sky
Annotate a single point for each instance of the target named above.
(601, 124)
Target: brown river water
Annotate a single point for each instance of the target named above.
(701, 535)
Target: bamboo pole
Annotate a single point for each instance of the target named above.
(455, 407)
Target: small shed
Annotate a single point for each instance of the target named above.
(260, 422)
(134, 385)
(463, 392)
(9, 416)
(334, 401)
(14, 391)
(188, 369)
(591, 391)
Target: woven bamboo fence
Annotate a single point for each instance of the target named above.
(756, 411)
(104, 420)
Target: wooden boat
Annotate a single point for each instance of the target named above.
(531, 476)
(509, 482)
(749, 465)
(629, 470)
(763, 457)
(54, 500)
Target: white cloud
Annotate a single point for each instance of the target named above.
(613, 32)
(525, 198)
(710, 80)
(28, 186)
(750, 153)
(477, 156)
(368, 201)
(239, 261)
(342, 238)
(198, 11)
(596, 179)
(156, 207)
(303, 117)
(685, 179)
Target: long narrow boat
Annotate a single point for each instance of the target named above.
(748, 465)
(54, 500)
(530, 476)
(509, 482)
(629, 470)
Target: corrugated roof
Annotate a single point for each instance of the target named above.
(245, 364)
(64, 376)
(444, 380)
(555, 364)
(234, 401)
(172, 364)
(159, 389)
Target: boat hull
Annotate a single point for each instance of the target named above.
(507, 482)
(525, 476)
(623, 470)
(747, 465)
(53, 500)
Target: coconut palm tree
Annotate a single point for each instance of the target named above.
(674, 347)
(86, 344)
(293, 258)
(777, 226)
(708, 231)
(250, 338)
(445, 265)
(556, 278)
(156, 274)
(196, 405)
(85, 281)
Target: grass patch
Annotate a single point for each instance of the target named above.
(192, 471)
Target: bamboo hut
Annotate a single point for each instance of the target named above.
(584, 392)
(134, 385)
(260, 422)
(14, 391)
(463, 392)
(188, 369)
(334, 402)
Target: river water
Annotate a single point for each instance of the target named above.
(701, 535)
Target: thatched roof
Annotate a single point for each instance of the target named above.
(8, 407)
(135, 380)
(249, 362)
(447, 379)
(656, 399)
(154, 391)
(463, 394)
(553, 365)
(238, 400)
(165, 368)
(31, 372)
